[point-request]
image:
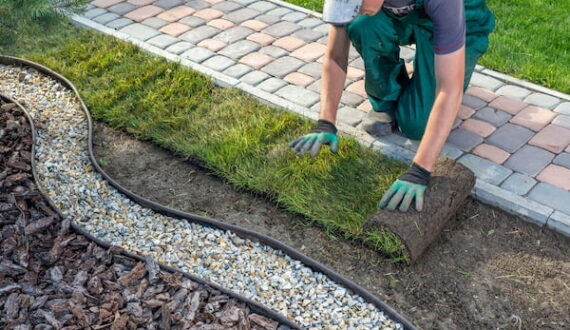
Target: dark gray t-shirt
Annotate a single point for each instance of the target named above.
(448, 17)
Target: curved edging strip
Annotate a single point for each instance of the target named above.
(254, 306)
(239, 231)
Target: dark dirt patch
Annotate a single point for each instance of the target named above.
(488, 270)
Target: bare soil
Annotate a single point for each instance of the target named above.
(488, 270)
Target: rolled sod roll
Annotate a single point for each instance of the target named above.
(449, 186)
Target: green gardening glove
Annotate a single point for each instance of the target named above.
(324, 133)
(411, 185)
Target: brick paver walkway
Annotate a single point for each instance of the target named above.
(513, 135)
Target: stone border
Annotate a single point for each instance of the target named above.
(392, 146)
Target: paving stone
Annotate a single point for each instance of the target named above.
(209, 14)
(254, 77)
(310, 22)
(357, 88)
(273, 51)
(307, 35)
(244, 2)
(175, 29)
(465, 112)
(237, 71)
(491, 153)
(556, 175)
(155, 22)
(482, 93)
(552, 138)
(162, 41)
(211, 44)
(510, 137)
(241, 15)
(140, 31)
(261, 38)
(485, 169)
(542, 100)
(179, 47)
(255, 25)
(234, 34)
(508, 105)
(281, 29)
(279, 12)
(310, 52)
(198, 4)
(407, 53)
(105, 3)
(456, 123)
(351, 99)
(494, 117)
(121, 8)
(563, 160)
(256, 60)
(315, 87)
(294, 17)
(200, 33)
(282, 66)
(298, 95)
(464, 139)
(533, 117)
(262, 6)
(239, 49)
(227, 6)
(552, 196)
(168, 4)
(299, 79)
(559, 222)
(139, 15)
(119, 23)
(219, 63)
(515, 92)
(92, 13)
(272, 84)
(529, 160)
(323, 28)
(268, 19)
(563, 108)
(358, 63)
(289, 43)
(106, 18)
(478, 127)
(177, 13)
(198, 54)
(354, 73)
(473, 102)
(485, 81)
(192, 21)
(562, 120)
(323, 40)
(312, 69)
(141, 2)
(350, 116)
(519, 184)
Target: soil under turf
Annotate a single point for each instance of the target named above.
(489, 269)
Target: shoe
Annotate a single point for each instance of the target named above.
(378, 123)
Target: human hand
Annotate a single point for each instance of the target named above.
(411, 185)
(324, 133)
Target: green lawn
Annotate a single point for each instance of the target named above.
(531, 40)
(226, 130)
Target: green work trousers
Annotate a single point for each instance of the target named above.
(389, 88)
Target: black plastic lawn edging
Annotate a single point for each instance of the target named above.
(239, 231)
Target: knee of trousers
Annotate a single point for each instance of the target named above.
(370, 38)
(412, 129)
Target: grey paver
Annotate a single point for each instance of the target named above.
(456, 123)
(473, 102)
(494, 117)
(168, 4)
(198, 54)
(542, 100)
(407, 53)
(106, 18)
(239, 49)
(323, 40)
(450, 151)
(89, 6)
(122, 8)
(294, 17)
(179, 47)
(198, 4)
(268, 19)
(274, 51)
(279, 12)
(485, 170)
(219, 63)
(323, 28)
(272, 84)
(510, 137)
(464, 139)
(315, 86)
(163, 41)
(562, 120)
(529, 160)
(559, 222)
(119, 23)
(519, 184)
(310, 22)
(155, 22)
(234, 34)
(244, 2)
(552, 196)
(563, 108)
(199, 34)
(562, 160)
(485, 81)
(515, 92)
(352, 52)
(140, 31)
(312, 69)
(282, 66)
(299, 95)
(237, 71)
(281, 29)
(350, 116)
(92, 13)
(192, 21)
(241, 15)
(351, 99)
(227, 6)
(307, 35)
(254, 78)
(358, 63)
(262, 6)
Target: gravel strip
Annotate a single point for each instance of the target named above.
(249, 268)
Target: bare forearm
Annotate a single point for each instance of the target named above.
(332, 85)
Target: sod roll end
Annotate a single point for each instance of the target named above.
(450, 184)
